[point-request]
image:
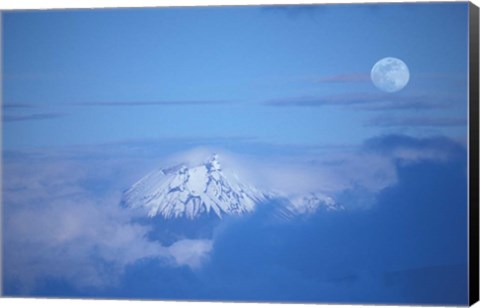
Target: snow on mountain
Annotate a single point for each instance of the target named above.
(202, 189)
(304, 205)
(189, 192)
(310, 203)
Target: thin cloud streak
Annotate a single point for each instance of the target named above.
(17, 105)
(34, 76)
(118, 104)
(366, 101)
(151, 103)
(417, 121)
(33, 117)
(342, 78)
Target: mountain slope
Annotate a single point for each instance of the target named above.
(203, 190)
(189, 192)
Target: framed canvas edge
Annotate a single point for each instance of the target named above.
(473, 145)
(473, 154)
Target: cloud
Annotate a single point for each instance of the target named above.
(152, 103)
(365, 101)
(191, 252)
(143, 152)
(361, 174)
(270, 172)
(348, 256)
(354, 77)
(34, 76)
(63, 226)
(17, 105)
(84, 243)
(405, 149)
(340, 257)
(365, 169)
(390, 121)
(294, 11)
(63, 222)
(33, 117)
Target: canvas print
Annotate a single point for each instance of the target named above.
(298, 153)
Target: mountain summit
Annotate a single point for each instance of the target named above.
(194, 191)
(190, 192)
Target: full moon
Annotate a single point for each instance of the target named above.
(390, 74)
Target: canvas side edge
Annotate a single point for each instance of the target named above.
(473, 222)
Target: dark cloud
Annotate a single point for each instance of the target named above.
(147, 149)
(365, 101)
(151, 103)
(120, 104)
(33, 117)
(389, 144)
(17, 105)
(428, 121)
(34, 76)
(342, 78)
(39, 116)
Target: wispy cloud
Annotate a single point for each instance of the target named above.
(341, 78)
(366, 101)
(43, 105)
(33, 117)
(407, 149)
(17, 105)
(33, 76)
(392, 121)
(294, 11)
(93, 240)
(152, 103)
(59, 225)
(369, 167)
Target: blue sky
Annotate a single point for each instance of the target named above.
(95, 99)
(225, 72)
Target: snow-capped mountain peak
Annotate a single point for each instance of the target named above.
(191, 191)
(194, 190)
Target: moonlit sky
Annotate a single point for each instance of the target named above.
(282, 75)
(95, 99)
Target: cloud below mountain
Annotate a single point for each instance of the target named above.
(57, 227)
(77, 232)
